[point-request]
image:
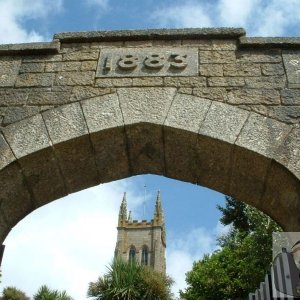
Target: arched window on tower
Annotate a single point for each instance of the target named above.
(132, 253)
(145, 255)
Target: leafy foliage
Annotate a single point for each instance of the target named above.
(244, 257)
(45, 293)
(130, 281)
(12, 293)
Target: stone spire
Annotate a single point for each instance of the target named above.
(159, 218)
(130, 216)
(123, 211)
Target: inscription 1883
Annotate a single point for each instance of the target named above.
(134, 62)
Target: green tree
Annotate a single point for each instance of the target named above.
(45, 293)
(12, 293)
(130, 281)
(244, 257)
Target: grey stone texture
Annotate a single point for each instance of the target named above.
(233, 125)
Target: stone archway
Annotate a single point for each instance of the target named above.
(227, 126)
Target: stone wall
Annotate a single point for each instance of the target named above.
(206, 106)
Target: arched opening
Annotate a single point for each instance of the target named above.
(145, 256)
(132, 254)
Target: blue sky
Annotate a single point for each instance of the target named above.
(67, 243)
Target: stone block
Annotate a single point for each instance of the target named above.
(259, 56)
(4, 228)
(34, 79)
(49, 97)
(187, 113)
(106, 126)
(263, 82)
(6, 155)
(226, 81)
(32, 68)
(65, 123)
(254, 96)
(185, 81)
(75, 78)
(242, 69)
(211, 70)
(42, 58)
(81, 55)
(282, 197)
(113, 82)
(87, 92)
(148, 81)
(223, 122)
(68, 66)
(15, 114)
(9, 68)
(15, 199)
(262, 135)
(224, 44)
(291, 61)
(145, 104)
(27, 136)
(288, 154)
(13, 96)
(272, 69)
(43, 175)
(217, 57)
(248, 175)
(202, 44)
(286, 114)
(212, 93)
(290, 96)
(89, 65)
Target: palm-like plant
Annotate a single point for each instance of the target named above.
(45, 293)
(130, 281)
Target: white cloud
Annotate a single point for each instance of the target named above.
(258, 17)
(190, 247)
(67, 243)
(101, 3)
(15, 12)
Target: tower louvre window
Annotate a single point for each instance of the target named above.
(145, 255)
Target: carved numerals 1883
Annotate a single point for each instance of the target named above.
(153, 61)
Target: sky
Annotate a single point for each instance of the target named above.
(69, 242)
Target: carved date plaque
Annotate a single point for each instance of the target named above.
(136, 62)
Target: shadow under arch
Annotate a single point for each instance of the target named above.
(147, 131)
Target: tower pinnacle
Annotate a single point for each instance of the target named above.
(158, 213)
(123, 211)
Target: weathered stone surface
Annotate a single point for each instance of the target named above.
(34, 79)
(9, 68)
(91, 54)
(223, 122)
(254, 96)
(63, 66)
(211, 70)
(286, 114)
(15, 199)
(27, 136)
(224, 44)
(89, 65)
(226, 81)
(212, 93)
(32, 68)
(4, 228)
(75, 78)
(6, 154)
(86, 92)
(185, 81)
(13, 97)
(217, 57)
(145, 104)
(43, 176)
(106, 126)
(15, 114)
(263, 56)
(113, 82)
(281, 197)
(270, 82)
(262, 135)
(180, 136)
(272, 69)
(42, 58)
(292, 65)
(49, 97)
(148, 81)
(290, 97)
(242, 69)
(289, 152)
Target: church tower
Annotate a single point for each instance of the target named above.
(142, 240)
